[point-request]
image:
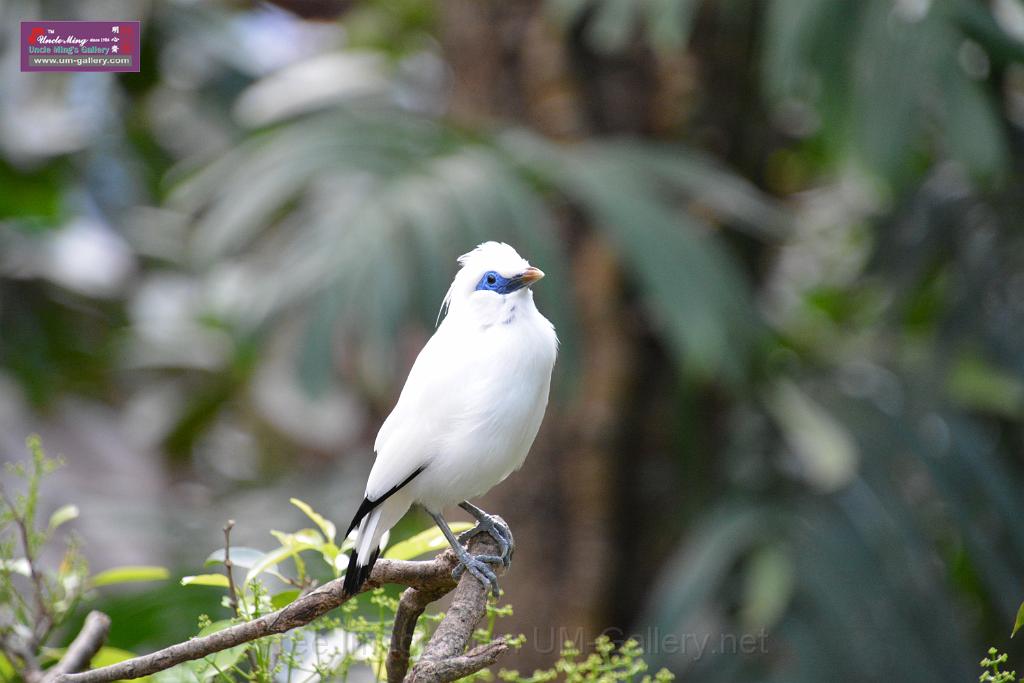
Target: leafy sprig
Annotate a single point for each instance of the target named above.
(37, 599)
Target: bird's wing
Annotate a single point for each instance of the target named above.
(409, 438)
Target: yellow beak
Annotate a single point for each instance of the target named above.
(531, 275)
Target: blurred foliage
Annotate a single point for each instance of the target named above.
(36, 600)
(824, 252)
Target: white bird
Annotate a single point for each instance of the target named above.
(468, 413)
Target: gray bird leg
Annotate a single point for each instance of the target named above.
(490, 524)
(475, 564)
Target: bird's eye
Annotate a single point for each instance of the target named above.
(491, 278)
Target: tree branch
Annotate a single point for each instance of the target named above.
(411, 605)
(443, 659)
(427, 580)
(454, 668)
(83, 648)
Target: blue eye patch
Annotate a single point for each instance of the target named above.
(495, 282)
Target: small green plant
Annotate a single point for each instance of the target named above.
(37, 600)
(257, 582)
(606, 664)
(992, 669)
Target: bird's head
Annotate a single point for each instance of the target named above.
(492, 278)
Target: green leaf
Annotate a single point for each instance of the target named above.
(977, 385)
(974, 129)
(240, 557)
(424, 542)
(218, 580)
(270, 560)
(330, 552)
(303, 537)
(695, 290)
(706, 182)
(1019, 621)
(823, 446)
(768, 587)
(129, 574)
(62, 515)
(700, 567)
(31, 194)
(325, 525)
(284, 598)
(317, 351)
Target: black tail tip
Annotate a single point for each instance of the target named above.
(356, 574)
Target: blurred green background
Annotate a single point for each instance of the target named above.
(785, 258)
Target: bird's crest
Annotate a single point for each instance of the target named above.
(486, 256)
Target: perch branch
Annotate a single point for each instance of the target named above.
(453, 634)
(443, 659)
(460, 666)
(428, 578)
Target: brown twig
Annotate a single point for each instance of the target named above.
(229, 570)
(229, 566)
(430, 578)
(83, 648)
(411, 605)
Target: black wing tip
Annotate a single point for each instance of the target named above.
(367, 506)
(356, 575)
(364, 508)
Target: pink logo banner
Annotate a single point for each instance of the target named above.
(80, 45)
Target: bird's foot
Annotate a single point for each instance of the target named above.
(498, 530)
(477, 565)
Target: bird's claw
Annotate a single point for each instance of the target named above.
(477, 566)
(487, 559)
(499, 531)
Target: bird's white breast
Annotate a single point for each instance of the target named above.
(481, 398)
